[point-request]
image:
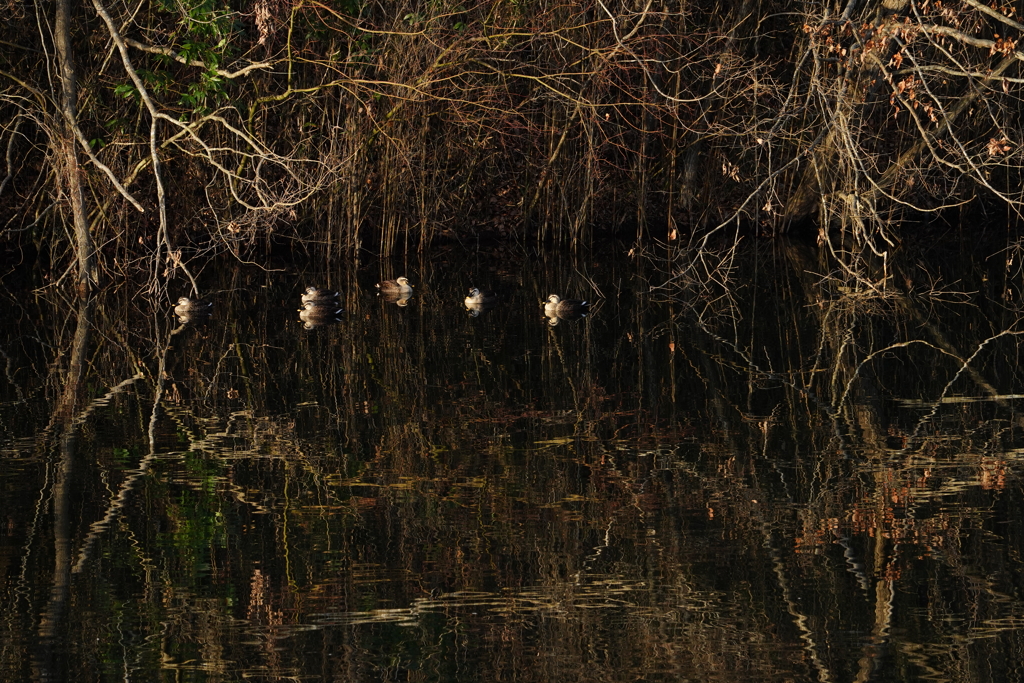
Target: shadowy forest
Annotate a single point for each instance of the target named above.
(139, 136)
(755, 459)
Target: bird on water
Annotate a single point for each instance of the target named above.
(319, 296)
(558, 306)
(187, 306)
(395, 287)
(192, 310)
(479, 298)
(478, 302)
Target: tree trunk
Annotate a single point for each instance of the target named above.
(66, 145)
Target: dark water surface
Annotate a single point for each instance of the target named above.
(771, 476)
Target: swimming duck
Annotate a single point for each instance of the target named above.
(478, 298)
(186, 306)
(395, 287)
(477, 302)
(319, 296)
(557, 306)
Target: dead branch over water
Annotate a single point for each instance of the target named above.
(203, 129)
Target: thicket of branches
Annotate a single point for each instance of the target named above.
(163, 131)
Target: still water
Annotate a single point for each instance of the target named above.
(768, 474)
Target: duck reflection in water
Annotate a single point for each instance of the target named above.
(192, 310)
(396, 291)
(479, 301)
(556, 309)
(315, 315)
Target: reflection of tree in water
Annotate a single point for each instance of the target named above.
(881, 413)
(708, 482)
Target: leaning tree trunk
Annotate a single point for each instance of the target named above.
(66, 148)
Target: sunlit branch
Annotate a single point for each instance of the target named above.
(197, 62)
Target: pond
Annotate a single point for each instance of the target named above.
(773, 471)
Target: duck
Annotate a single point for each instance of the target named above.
(313, 314)
(188, 307)
(478, 298)
(478, 302)
(397, 287)
(319, 296)
(558, 306)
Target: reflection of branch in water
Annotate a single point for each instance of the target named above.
(161, 382)
(119, 499)
(797, 610)
(117, 502)
(871, 356)
(105, 399)
(581, 398)
(92, 406)
(770, 374)
(54, 612)
(965, 365)
(96, 527)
